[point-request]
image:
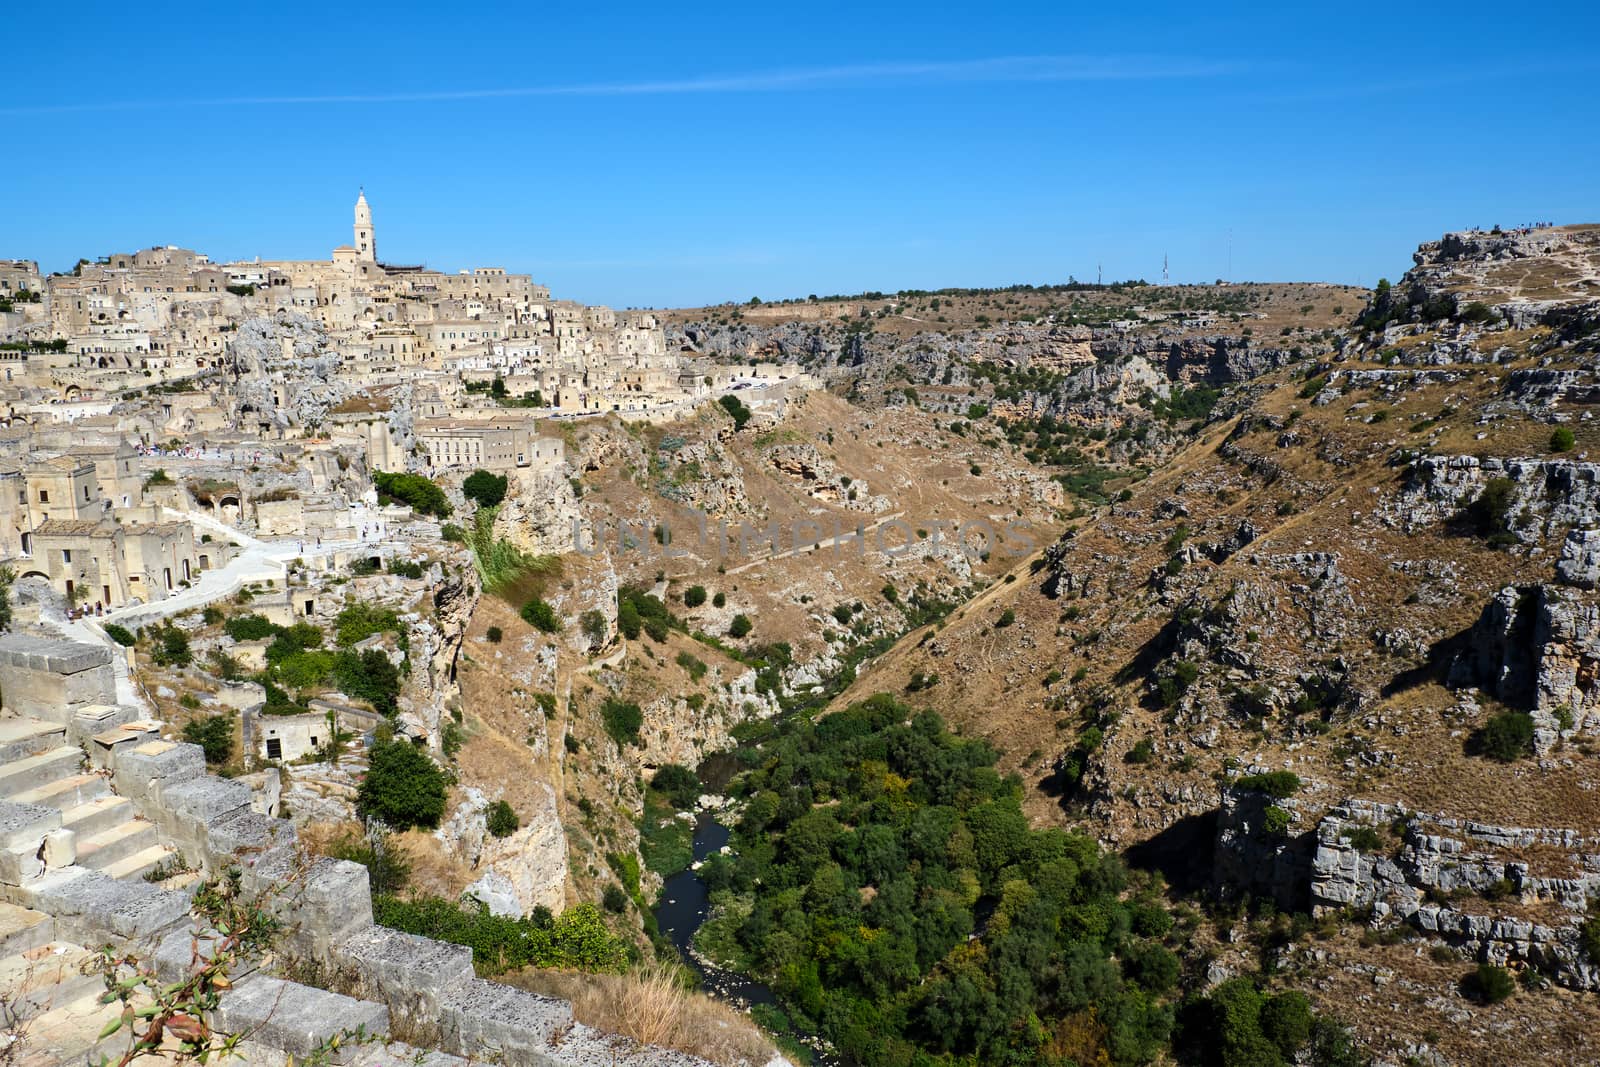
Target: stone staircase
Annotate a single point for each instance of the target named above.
(92, 800)
(44, 778)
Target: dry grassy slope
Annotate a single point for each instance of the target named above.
(1294, 304)
(904, 454)
(512, 748)
(993, 679)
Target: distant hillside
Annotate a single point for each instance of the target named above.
(1375, 571)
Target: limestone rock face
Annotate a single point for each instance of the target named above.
(540, 514)
(1580, 559)
(674, 732)
(1439, 856)
(1544, 493)
(521, 871)
(1251, 859)
(431, 687)
(1538, 648)
(286, 371)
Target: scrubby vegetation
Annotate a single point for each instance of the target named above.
(214, 734)
(413, 490)
(877, 840)
(577, 938)
(484, 489)
(402, 788)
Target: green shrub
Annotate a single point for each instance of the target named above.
(1142, 752)
(1492, 506)
(1279, 784)
(494, 634)
(1275, 820)
(541, 616)
(693, 664)
(719, 600)
(1007, 618)
(1589, 936)
(402, 788)
(1489, 984)
(622, 721)
(358, 621)
(628, 622)
(1364, 838)
(735, 407)
(249, 627)
(484, 489)
(387, 862)
(171, 647)
(694, 596)
(1562, 439)
(578, 938)
(406, 568)
(1506, 737)
(678, 784)
(1286, 1021)
(120, 634)
(1171, 686)
(413, 490)
(500, 820)
(370, 676)
(740, 626)
(213, 733)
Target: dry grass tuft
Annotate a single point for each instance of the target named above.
(652, 1006)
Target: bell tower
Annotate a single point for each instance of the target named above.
(366, 240)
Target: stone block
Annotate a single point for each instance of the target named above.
(399, 1054)
(21, 865)
(483, 1020)
(95, 907)
(140, 770)
(22, 825)
(60, 848)
(330, 903)
(584, 1046)
(408, 973)
(297, 1019)
(231, 836)
(187, 807)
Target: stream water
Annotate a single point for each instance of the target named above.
(684, 905)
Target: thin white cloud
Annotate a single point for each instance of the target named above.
(865, 75)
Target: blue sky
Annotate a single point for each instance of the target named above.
(675, 154)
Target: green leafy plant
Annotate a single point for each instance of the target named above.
(500, 820)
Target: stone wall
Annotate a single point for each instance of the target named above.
(53, 680)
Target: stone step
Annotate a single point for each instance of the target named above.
(298, 1019)
(22, 929)
(47, 977)
(105, 847)
(69, 1034)
(23, 826)
(399, 1054)
(98, 814)
(31, 772)
(22, 736)
(68, 792)
(139, 864)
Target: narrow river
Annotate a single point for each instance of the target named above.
(684, 905)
